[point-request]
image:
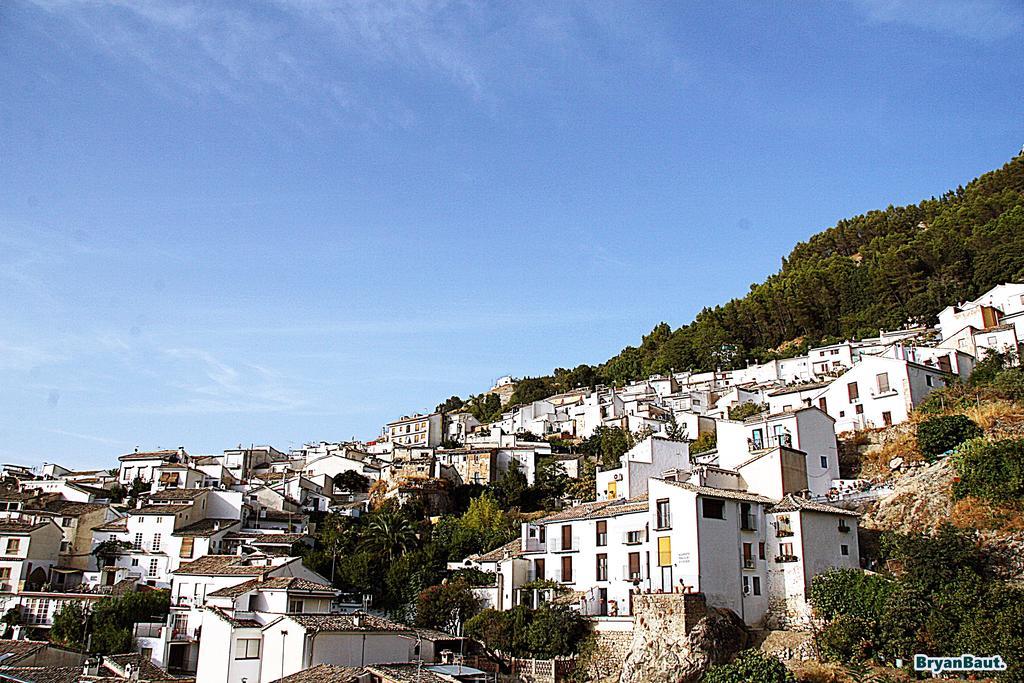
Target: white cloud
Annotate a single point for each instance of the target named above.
(983, 20)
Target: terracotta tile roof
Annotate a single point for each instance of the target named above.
(150, 455)
(323, 673)
(293, 583)
(114, 525)
(267, 539)
(13, 650)
(598, 509)
(345, 622)
(176, 494)
(793, 503)
(513, 548)
(206, 527)
(42, 674)
(408, 673)
(238, 623)
(223, 565)
(8, 526)
(70, 508)
(712, 492)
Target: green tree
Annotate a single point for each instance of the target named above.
(943, 433)
(389, 534)
(750, 666)
(447, 606)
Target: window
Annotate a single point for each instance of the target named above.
(5, 573)
(156, 543)
(844, 549)
(746, 518)
(135, 562)
(295, 606)
(566, 537)
(824, 462)
(929, 380)
(13, 545)
(748, 556)
(757, 585)
(757, 439)
(664, 515)
(887, 418)
(65, 546)
(713, 508)
(852, 391)
(154, 566)
(602, 567)
(538, 569)
(823, 404)
(634, 567)
(567, 569)
(137, 543)
(882, 379)
(664, 551)
(186, 546)
(602, 533)
(65, 521)
(786, 549)
(159, 520)
(247, 648)
(859, 409)
(760, 550)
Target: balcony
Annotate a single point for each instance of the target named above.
(557, 545)
(844, 528)
(782, 559)
(636, 575)
(150, 630)
(783, 533)
(633, 538)
(748, 563)
(748, 523)
(534, 545)
(663, 522)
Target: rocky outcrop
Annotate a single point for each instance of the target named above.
(920, 501)
(676, 638)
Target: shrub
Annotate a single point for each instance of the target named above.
(745, 410)
(849, 591)
(993, 470)
(847, 639)
(939, 434)
(750, 666)
(704, 443)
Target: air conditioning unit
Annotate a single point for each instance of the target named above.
(618, 477)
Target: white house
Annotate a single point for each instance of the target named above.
(652, 457)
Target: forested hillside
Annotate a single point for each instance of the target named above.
(878, 270)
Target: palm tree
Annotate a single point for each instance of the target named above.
(389, 534)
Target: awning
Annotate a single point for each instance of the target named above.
(67, 570)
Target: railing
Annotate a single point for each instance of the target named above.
(664, 521)
(748, 563)
(151, 630)
(556, 545)
(783, 533)
(633, 537)
(844, 528)
(534, 545)
(748, 523)
(628, 575)
(780, 559)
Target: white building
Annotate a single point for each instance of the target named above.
(416, 430)
(650, 458)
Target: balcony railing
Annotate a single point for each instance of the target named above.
(151, 630)
(783, 533)
(748, 523)
(637, 575)
(748, 563)
(557, 545)
(664, 521)
(780, 559)
(633, 537)
(844, 527)
(534, 545)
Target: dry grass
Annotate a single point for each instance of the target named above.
(994, 415)
(875, 462)
(822, 672)
(981, 514)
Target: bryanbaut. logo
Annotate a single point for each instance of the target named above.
(961, 663)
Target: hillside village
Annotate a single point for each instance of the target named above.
(729, 491)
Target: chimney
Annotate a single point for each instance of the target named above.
(91, 667)
(357, 620)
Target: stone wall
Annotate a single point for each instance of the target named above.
(611, 650)
(676, 638)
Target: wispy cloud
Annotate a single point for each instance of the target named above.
(983, 20)
(207, 384)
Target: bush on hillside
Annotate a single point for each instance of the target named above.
(750, 666)
(939, 434)
(993, 470)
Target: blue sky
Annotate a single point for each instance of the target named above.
(288, 221)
